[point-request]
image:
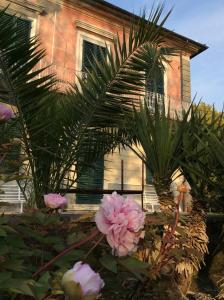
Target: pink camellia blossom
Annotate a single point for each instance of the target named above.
(122, 221)
(5, 112)
(89, 281)
(55, 201)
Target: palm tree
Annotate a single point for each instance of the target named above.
(161, 138)
(202, 160)
(61, 132)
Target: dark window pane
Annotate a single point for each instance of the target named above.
(22, 27)
(156, 85)
(22, 33)
(91, 50)
(91, 178)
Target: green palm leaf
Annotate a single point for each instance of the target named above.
(112, 86)
(162, 141)
(60, 131)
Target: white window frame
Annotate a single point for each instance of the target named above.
(33, 21)
(103, 41)
(92, 38)
(165, 80)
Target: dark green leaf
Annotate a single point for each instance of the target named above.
(109, 262)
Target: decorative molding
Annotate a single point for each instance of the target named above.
(34, 8)
(96, 30)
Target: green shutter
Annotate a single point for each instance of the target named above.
(156, 85)
(22, 33)
(149, 176)
(91, 178)
(91, 50)
(22, 27)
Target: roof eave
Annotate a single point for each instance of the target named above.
(201, 47)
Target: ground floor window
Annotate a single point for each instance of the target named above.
(92, 178)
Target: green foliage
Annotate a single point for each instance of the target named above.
(203, 158)
(209, 112)
(192, 143)
(162, 141)
(25, 244)
(28, 242)
(60, 132)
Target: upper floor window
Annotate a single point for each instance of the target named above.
(155, 91)
(91, 50)
(22, 33)
(22, 27)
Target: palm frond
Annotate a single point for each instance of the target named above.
(59, 131)
(113, 85)
(202, 161)
(162, 141)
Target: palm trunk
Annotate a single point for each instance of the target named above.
(166, 199)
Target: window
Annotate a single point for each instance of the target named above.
(22, 27)
(155, 91)
(22, 33)
(89, 51)
(93, 177)
(149, 177)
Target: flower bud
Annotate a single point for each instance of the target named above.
(82, 283)
(55, 201)
(5, 113)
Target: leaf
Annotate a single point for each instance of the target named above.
(39, 217)
(4, 249)
(57, 292)
(42, 286)
(20, 286)
(4, 277)
(133, 263)
(109, 262)
(9, 229)
(3, 233)
(72, 238)
(66, 260)
(15, 241)
(135, 266)
(13, 264)
(3, 219)
(44, 278)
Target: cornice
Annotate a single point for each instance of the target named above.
(96, 30)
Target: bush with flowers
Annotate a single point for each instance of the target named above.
(117, 254)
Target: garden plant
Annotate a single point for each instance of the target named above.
(120, 252)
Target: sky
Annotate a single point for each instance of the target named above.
(203, 21)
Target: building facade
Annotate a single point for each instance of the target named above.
(70, 30)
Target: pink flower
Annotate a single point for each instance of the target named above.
(5, 112)
(90, 282)
(121, 220)
(55, 201)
